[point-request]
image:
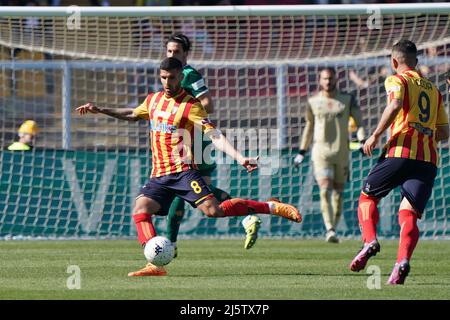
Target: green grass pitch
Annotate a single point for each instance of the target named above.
(218, 269)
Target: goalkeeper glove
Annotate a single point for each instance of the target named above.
(299, 158)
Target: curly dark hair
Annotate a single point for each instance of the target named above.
(181, 39)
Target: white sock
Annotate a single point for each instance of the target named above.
(271, 206)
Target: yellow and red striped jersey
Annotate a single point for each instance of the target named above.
(172, 121)
(413, 130)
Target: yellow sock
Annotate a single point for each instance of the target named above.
(337, 207)
(326, 207)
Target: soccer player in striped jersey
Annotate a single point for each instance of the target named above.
(178, 46)
(172, 115)
(417, 120)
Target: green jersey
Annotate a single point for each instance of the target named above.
(194, 84)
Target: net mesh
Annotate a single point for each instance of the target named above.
(224, 38)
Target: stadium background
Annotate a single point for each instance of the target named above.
(81, 182)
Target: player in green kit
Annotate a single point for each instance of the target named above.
(178, 46)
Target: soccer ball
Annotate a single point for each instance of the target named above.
(159, 251)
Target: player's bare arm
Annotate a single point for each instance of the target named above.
(355, 113)
(307, 137)
(387, 118)
(207, 103)
(222, 144)
(121, 114)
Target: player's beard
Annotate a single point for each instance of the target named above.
(330, 89)
(171, 92)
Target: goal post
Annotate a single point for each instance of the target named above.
(260, 64)
(281, 32)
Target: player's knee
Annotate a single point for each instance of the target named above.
(339, 188)
(363, 197)
(139, 210)
(211, 209)
(326, 192)
(145, 205)
(325, 183)
(405, 204)
(212, 213)
(224, 196)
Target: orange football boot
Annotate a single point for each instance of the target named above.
(286, 210)
(149, 270)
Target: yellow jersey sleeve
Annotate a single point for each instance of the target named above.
(199, 118)
(442, 117)
(142, 111)
(394, 88)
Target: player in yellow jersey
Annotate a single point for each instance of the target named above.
(417, 120)
(179, 46)
(172, 115)
(327, 117)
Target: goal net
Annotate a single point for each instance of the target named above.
(260, 64)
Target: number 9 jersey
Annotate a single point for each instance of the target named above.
(412, 131)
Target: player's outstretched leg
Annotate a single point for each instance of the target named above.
(368, 217)
(176, 213)
(240, 207)
(251, 224)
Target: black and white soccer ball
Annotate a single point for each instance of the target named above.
(159, 251)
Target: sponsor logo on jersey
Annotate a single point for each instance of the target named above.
(419, 127)
(161, 126)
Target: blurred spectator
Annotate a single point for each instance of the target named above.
(27, 134)
(154, 3)
(32, 30)
(362, 44)
(55, 3)
(103, 3)
(199, 36)
(211, 2)
(430, 67)
(376, 76)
